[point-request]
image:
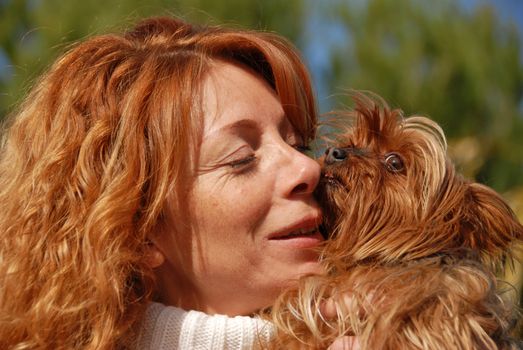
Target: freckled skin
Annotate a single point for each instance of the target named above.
(251, 183)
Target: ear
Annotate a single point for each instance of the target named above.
(489, 224)
(153, 256)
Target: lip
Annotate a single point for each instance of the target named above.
(300, 241)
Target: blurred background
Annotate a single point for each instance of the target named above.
(458, 61)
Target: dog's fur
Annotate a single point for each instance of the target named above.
(413, 248)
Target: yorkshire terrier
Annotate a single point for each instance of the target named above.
(413, 248)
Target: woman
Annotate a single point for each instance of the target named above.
(163, 164)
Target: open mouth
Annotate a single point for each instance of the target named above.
(301, 238)
(299, 233)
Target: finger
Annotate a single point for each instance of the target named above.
(328, 309)
(345, 343)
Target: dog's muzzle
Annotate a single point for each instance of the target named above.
(340, 154)
(333, 155)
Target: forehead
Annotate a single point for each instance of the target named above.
(233, 93)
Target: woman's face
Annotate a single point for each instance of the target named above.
(254, 216)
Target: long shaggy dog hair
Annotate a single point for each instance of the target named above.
(413, 250)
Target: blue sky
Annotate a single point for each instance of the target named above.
(509, 10)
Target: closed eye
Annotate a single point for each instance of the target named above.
(302, 148)
(305, 149)
(238, 163)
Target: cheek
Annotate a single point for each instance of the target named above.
(238, 207)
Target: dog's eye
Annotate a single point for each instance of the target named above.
(393, 162)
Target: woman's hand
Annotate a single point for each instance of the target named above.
(345, 343)
(328, 310)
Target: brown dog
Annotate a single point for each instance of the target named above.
(413, 249)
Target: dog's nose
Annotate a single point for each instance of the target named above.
(333, 155)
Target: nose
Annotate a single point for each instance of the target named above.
(333, 155)
(304, 174)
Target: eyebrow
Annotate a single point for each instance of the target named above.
(239, 124)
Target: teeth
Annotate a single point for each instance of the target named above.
(303, 232)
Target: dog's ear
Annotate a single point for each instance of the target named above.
(489, 225)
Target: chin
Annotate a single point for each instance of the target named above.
(302, 270)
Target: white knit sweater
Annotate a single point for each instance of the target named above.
(171, 328)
